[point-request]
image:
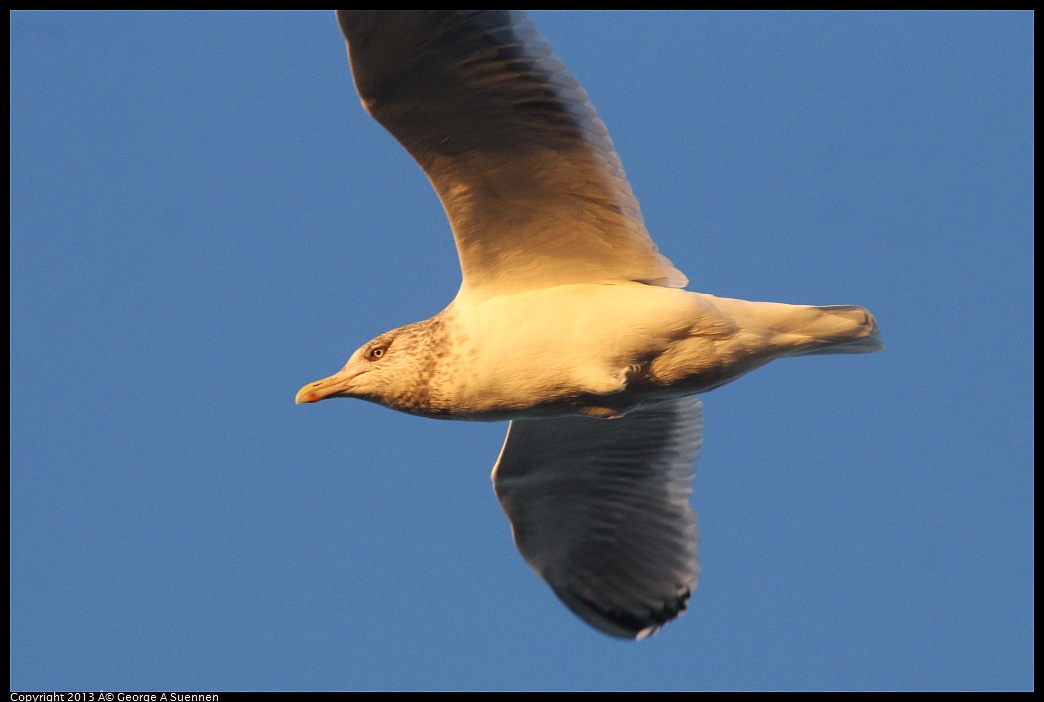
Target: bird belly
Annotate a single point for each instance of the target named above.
(587, 349)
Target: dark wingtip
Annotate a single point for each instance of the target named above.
(622, 624)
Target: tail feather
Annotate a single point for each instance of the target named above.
(831, 329)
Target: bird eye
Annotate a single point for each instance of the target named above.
(376, 353)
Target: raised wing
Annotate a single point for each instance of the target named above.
(525, 169)
(600, 509)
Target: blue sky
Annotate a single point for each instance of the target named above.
(203, 219)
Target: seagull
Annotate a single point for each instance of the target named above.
(568, 321)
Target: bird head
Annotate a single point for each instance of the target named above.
(394, 369)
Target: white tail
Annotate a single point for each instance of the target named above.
(831, 329)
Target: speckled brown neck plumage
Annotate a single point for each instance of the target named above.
(427, 352)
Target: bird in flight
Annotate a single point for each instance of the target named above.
(568, 321)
